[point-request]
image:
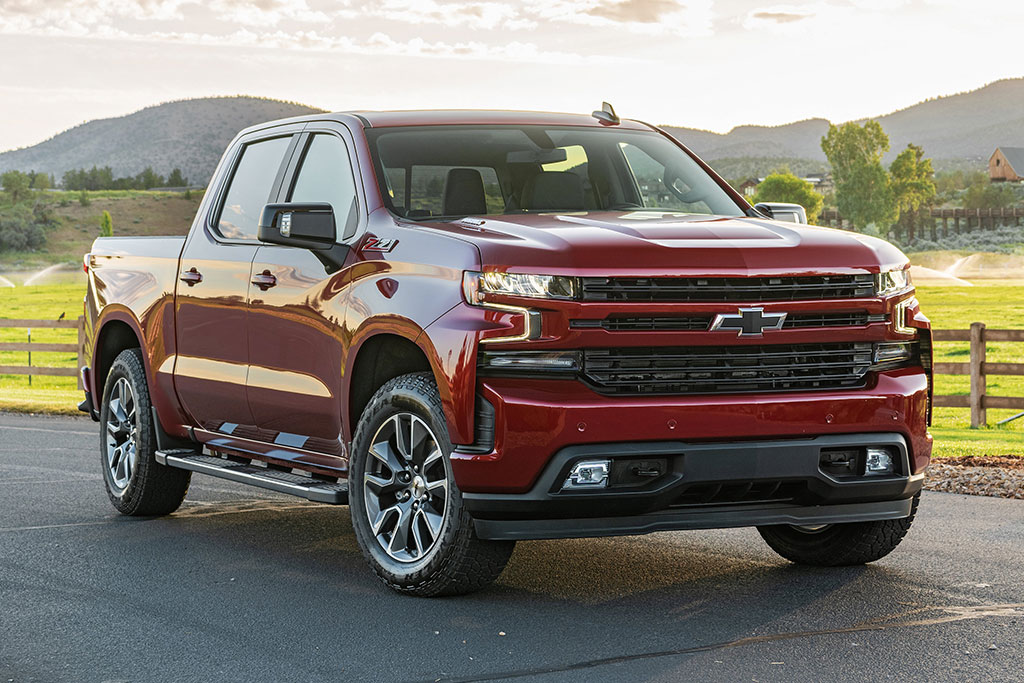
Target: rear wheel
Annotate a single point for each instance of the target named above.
(136, 483)
(834, 545)
(406, 509)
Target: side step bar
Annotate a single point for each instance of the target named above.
(255, 475)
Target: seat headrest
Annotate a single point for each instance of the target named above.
(555, 191)
(464, 193)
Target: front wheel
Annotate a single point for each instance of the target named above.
(835, 545)
(406, 510)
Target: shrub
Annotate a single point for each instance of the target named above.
(1005, 239)
(106, 225)
(19, 230)
(83, 198)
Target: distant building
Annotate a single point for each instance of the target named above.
(748, 188)
(822, 184)
(1006, 163)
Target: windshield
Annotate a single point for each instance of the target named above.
(446, 172)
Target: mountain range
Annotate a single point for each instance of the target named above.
(966, 126)
(957, 130)
(187, 134)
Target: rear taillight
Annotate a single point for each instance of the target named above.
(85, 263)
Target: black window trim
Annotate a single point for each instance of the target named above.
(298, 157)
(213, 217)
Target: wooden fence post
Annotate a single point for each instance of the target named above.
(978, 416)
(81, 349)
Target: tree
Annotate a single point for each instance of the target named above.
(149, 178)
(40, 181)
(106, 225)
(176, 179)
(16, 185)
(913, 186)
(984, 194)
(786, 187)
(863, 192)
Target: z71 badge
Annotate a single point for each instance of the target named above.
(377, 244)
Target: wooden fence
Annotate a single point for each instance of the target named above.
(30, 370)
(978, 369)
(944, 222)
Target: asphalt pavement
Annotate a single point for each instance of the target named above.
(246, 585)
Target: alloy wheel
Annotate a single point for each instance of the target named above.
(405, 488)
(122, 434)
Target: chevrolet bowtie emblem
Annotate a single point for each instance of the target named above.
(749, 322)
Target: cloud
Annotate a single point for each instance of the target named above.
(650, 17)
(779, 17)
(643, 11)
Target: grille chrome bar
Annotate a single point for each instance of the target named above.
(700, 323)
(731, 289)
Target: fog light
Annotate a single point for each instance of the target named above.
(588, 474)
(878, 462)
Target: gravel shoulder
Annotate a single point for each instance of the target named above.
(1002, 477)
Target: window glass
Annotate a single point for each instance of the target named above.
(427, 189)
(326, 176)
(659, 188)
(250, 188)
(540, 169)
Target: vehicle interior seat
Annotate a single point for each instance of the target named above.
(554, 191)
(464, 193)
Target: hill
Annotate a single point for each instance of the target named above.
(958, 131)
(188, 134)
(966, 126)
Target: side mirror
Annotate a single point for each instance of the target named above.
(309, 225)
(793, 213)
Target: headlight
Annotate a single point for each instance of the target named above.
(890, 354)
(891, 281)
(476, 286)
(531, 361)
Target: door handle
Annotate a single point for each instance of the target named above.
(264, 280)
(191, 276)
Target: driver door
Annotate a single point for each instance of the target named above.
(297, 309)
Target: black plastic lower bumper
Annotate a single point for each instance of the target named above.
(677, 520)
(704, 486)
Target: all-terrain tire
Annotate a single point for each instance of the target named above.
(152, 489)
(458, 562)
(839, 544)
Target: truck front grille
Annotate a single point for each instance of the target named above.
(732, 289)
(727, 369)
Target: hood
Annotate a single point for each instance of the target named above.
(653, 243)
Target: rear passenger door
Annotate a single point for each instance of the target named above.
(296, 316)
(213, 285)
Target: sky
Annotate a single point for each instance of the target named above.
(711, 64)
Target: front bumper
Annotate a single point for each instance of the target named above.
(534, 419)
(705, 485)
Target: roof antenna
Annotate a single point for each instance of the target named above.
(606, 114)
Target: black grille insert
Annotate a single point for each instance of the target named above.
(740, 289)
(727, 369)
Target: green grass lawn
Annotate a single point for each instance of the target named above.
(997, 305)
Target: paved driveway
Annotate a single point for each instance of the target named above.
(243, 584)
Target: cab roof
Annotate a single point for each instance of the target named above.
(387, 119)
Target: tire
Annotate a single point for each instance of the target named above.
(136, 483)
(413, 530)
(838, 545)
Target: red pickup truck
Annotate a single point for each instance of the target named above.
(477, 327)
